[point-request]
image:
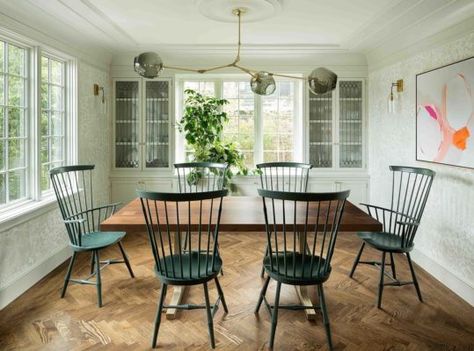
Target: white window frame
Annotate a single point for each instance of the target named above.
(218, 80)
(37, 202)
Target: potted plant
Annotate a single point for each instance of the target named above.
(202, 124)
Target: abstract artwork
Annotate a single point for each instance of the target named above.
(445, 114)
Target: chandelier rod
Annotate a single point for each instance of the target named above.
(251, 72)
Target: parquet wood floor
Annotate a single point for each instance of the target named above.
(40, 320)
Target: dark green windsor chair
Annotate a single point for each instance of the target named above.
(200, 176)
(284, 176)
(198, 216)
(301, 233)
(73, 188)
(410, 189)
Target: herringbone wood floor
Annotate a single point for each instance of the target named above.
(40, 320)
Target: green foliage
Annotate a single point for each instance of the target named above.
(202, 125)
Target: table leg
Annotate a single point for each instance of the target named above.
(178, 291)
(302, 291)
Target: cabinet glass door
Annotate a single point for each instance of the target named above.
(350, 124)
(157, 124)
(320, 130)
(126, 124)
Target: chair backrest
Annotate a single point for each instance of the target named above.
(302, 226)
(74, 193)
(410, 189)
(171, 216)
(284, 176)
(200, 176)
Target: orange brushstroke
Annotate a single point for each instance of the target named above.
(460, 138)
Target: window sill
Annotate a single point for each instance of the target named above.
(26, 212)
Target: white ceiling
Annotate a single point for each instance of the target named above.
(326, 25)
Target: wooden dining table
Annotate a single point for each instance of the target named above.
(239, 214)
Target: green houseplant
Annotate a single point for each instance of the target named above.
(202, 125)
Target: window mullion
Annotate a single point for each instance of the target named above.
(34, 116)
(258, 129)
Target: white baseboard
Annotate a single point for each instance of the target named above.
(34, 275)
(447, 278)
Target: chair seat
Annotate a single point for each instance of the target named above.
(384, 241)
(195, 270)
(302, 269)
(98, 240)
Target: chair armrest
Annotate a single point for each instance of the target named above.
(388, 216)
(411, 223)
(74, 221)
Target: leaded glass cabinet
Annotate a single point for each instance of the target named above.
(336, 127)
(142, 124)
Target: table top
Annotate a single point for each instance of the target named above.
(239, 214)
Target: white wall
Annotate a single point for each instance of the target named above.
(445, 241)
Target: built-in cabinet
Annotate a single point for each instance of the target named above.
(144, 145)
(142, 128)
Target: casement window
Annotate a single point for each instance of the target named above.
(265, 128)
(36, 119)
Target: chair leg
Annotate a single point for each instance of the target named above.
(382, 273)
(324, 310)
(221, 294)
(392, 265)
(415, 281)
(164, 288)
(125, 258)
(262, 272)
(263, 292)
(356, 261)
(275, 315)
(68, 274)
(210, 323)
(92, 262)
(98, 280)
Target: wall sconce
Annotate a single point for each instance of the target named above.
(97, 90)
(393, 98)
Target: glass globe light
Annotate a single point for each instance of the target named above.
(148, 64)
(263, 83)
(322, 80)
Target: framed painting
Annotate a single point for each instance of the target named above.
(445, 114)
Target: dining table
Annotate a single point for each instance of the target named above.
(239, 214)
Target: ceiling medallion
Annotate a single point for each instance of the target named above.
(320, 81)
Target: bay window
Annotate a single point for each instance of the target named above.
(34, 121)
(265, 128)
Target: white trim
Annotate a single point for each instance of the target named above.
(31, 277)
(444, 276)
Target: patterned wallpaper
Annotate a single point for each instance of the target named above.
(446, 234)
(29, 244)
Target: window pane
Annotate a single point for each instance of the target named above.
(16, 60)
(56, 75)
(16, 91)
(278, 123)
(16, 122)
(2, 55)
(2, 93)
(17, 185)
(3, 189)
(16, 153)
(52, 151)
(240, 110)
(13, 123)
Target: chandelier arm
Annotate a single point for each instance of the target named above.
(182, 69)
(287, 76)
(215, 68)
(246, 70)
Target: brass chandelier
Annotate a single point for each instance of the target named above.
(320, 81)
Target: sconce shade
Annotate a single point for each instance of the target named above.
(322, 80)
(263, 83)
(148, 64)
